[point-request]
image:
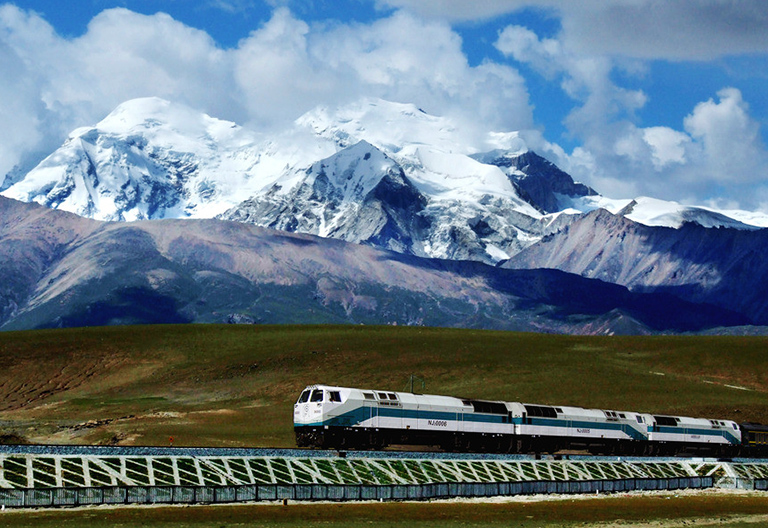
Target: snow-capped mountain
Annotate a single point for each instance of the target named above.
(151, 159)
(359, 194)
(373, 172)
(446, 206)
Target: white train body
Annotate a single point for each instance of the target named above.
(348, 418)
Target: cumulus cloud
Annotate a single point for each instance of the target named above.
(279, 71)
(718, 156)
(679, 30)
(668, 146)
(717, 152)
(647, 29)
(729, 138)
(287, 67)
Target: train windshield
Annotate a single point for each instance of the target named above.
(304, 397)
(317, 396)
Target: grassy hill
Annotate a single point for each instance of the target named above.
(235, 385)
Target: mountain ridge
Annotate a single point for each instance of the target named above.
(177, 271)
(724, 266)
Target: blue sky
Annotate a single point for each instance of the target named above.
(667, 99)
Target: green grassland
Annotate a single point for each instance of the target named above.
(235, 385)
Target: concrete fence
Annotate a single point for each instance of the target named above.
(54, 497)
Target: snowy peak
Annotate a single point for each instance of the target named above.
(386, 124)
(356, 170)
(652, 212)
(169, 125)
(359, 195)
(662, 213)
(539, 181)
(147, 159)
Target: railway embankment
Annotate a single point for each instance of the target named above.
(44, 476)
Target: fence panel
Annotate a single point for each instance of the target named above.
(351, 492)
(184, 495)
(246, 493)
(303, 492)
(138, 495)
(39, 497)
(65, 497)
(227, 494)
(267, 493)
(319, 491)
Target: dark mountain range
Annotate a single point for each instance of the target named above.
(720, 266)
(59, 269)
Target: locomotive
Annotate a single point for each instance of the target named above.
(343, 418)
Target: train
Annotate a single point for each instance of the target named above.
(346, 418)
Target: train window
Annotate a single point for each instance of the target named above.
(639, 419)
(622, 415)
(558, 410)
(382, 395)
(317, 396)
(392, 396)
(540, 410)
(334, 396)
(369, 396)
(666, 421)
(735, 427)
(304, 397)
(489, 407)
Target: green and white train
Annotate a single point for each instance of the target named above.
(350, 418)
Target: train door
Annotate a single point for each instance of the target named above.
(374, 415)
(370, 410)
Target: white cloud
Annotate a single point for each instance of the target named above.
(545, 56)
(603, 106)
(729, 138)
(718, 159)
(647, 29)
(457, 10)
(678, 30)
(668, 146)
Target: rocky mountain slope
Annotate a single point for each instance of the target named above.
(726, 267)
(77, 272)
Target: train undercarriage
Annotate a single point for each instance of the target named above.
(356, 438)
